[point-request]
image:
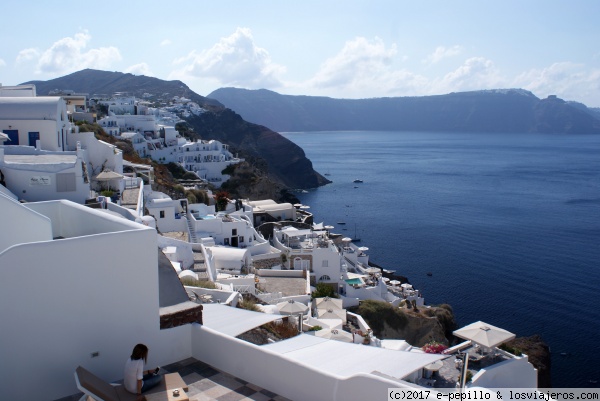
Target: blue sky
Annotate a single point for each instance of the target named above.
(343, 49)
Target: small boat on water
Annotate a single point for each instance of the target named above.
(358, 181)
(341, 222)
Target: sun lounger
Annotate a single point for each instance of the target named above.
(92, 386)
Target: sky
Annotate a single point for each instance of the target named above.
(340, 49)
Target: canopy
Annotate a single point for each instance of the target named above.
(484, 334)
(335, 334)
(108, 175)
(328, 303)
(291, 307)
(332, 314)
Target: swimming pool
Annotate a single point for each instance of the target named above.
(354, 281)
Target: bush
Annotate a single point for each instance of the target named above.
(282, 330)
(248, 304)
(108, 193)
(434, 347)
(191, 282)
(513, 350)
(315, 328)
(324, 290)
(378, 312)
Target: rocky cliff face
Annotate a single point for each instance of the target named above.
(284, 161)
(415, 327)
(538, 353)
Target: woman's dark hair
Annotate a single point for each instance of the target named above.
(140, 351)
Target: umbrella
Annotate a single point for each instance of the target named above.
(335, 334)
(346, 239)
(373, 270)
(304, 207)
(385, 279)
(484, 334)
(291, 307)
(297, 204)
(363, 248)
(332, 314)
(395, 282)
(328, 303)
(329, 227)
(4, 137)
(108, 175)
(406, 286)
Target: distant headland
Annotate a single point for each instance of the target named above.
(501, 111)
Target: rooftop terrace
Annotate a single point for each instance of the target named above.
(207, 383)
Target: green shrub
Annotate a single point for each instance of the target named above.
(315, 328)
(248, 304)
(513, 350)
(324, 290)
(191, 282)
(378, 312)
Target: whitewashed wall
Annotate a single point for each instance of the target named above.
(62, 300)
(275, 372)
(25, 224)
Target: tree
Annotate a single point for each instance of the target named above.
(221, 199)
(324, 290)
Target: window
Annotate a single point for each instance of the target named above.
(226, 241)
(65, 182)
(234, 231)
(162, 214)
(242, 238)
(324, 277)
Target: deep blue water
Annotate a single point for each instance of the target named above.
(508, 225)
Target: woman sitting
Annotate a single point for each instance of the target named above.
(136, 379)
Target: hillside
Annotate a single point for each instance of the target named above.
(282, 162)
(511, 110)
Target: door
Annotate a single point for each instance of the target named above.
(33, 137)
(234, 241)
(13, 136)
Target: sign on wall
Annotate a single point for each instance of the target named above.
(39, 180)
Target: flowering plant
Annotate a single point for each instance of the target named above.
(434, 347)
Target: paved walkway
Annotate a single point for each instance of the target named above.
(209, 384)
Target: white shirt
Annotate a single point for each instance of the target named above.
(134, 371)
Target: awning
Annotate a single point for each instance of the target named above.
(233, 321)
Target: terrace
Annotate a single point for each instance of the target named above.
(207, 383)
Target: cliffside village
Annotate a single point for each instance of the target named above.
(93, 260)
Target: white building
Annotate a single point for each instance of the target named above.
(79, 286)
(28, 119)
(310, 250)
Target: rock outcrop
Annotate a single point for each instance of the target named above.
(538, 353)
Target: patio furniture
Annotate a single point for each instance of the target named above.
(96, 388)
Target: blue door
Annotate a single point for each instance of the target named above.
(13, 136)
(33, 136)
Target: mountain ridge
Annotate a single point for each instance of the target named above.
(497, 110)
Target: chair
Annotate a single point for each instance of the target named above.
(92, 386)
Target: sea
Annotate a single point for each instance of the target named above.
(503, 227)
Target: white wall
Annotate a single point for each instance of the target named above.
(184, 249)
(25, 224)
(276, 373)
(513, 373)
(87, 294)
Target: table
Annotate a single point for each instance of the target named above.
(432, 367)
(168, 396)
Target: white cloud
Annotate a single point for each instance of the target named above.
(441, 53)
(140, 69)
(364, 68)
(565, 79)
(235, 60)
(474, 74)
(27, 55)
(68, 54)
(165, 42)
